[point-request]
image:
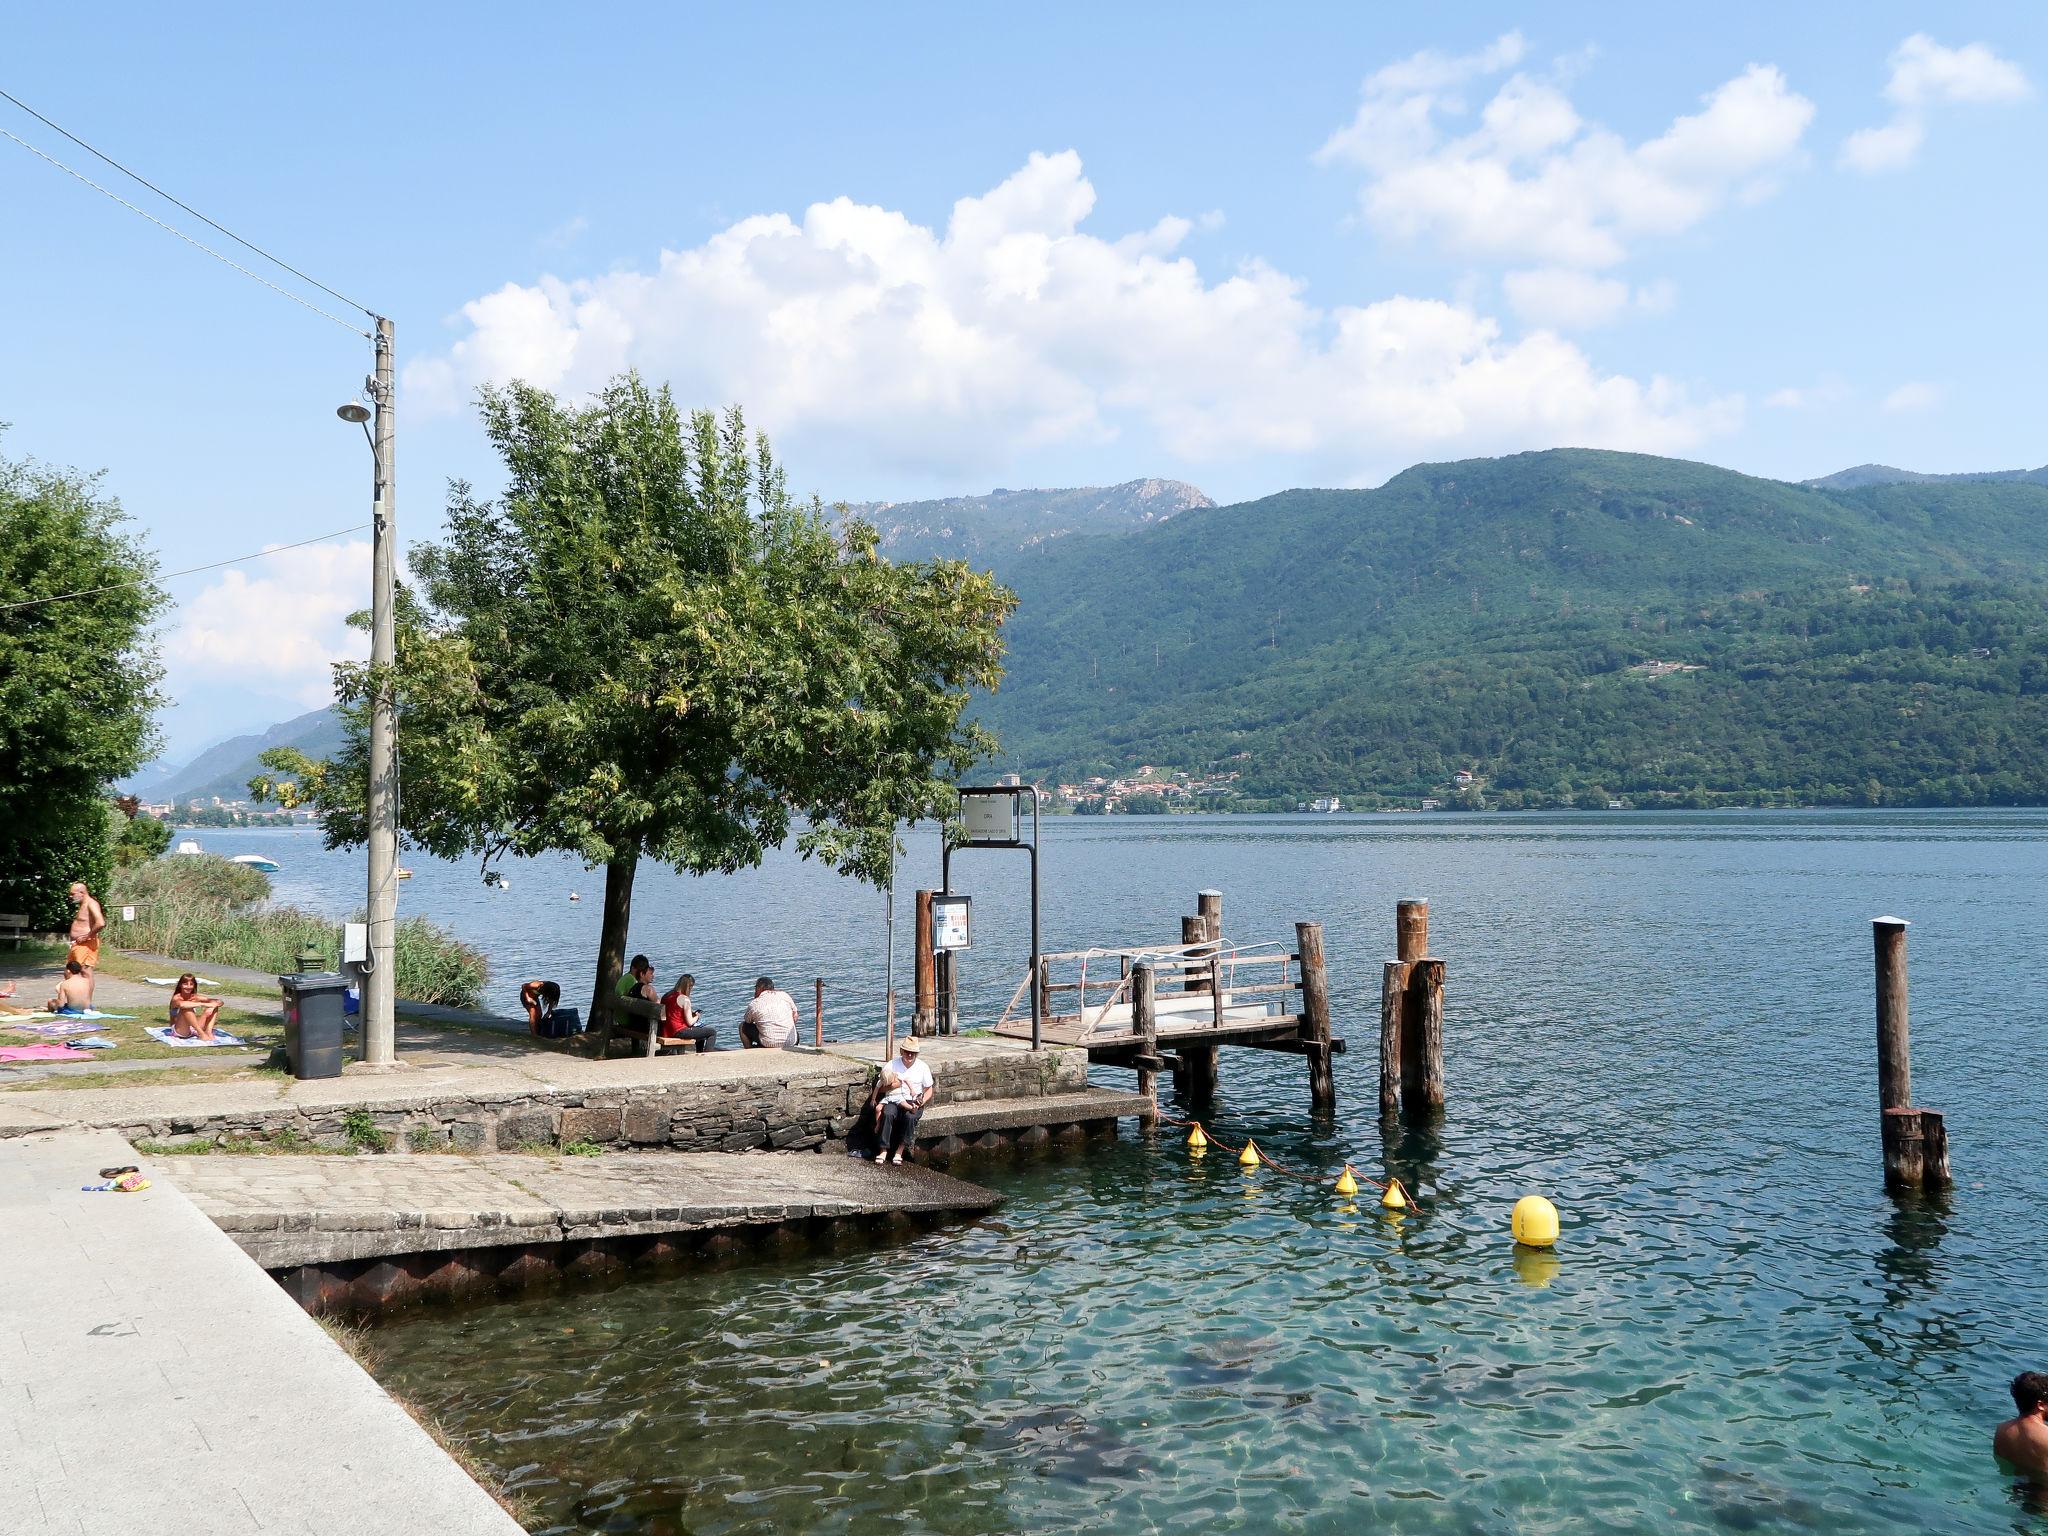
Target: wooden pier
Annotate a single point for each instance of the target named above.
(1171, 1007)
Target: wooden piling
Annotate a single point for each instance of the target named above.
(1145, 1024)
(1393, 994)
(924, 1008)
(1315, 1015)
(1193, 931)
(1915, 1141)
(1894, 1037)
(1934, 1172)
(1209, 904)
(1412, 1017)
(1426, 990)
(1411, 928)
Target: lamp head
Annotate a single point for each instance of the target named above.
(353, 410)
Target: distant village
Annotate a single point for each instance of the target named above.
(213, 811)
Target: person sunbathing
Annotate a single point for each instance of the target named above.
(192, 1015)
(74, 992)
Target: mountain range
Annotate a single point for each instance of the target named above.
(226, 768)
(988, 529)
(1565, 626)
(1860, 475)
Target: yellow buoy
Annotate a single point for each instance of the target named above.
(1347, 1185)
(1535, 1222)
(1392, 1199)
(1197, 1140)
(1249, 1157)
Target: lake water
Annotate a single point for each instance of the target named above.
(1664, 1022)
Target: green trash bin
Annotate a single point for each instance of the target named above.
(313, 1008)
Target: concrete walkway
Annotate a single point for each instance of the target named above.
(153, 1379)
(315, 1210)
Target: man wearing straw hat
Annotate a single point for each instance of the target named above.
(903, 1105)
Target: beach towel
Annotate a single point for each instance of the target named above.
(93, 1043)
(67, 1023)
(42, 1053)
(220, 1037)
(172, 981)
(57, 1027)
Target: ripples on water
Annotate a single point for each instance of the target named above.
(1662, 1022)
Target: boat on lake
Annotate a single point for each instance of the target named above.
(255, 861)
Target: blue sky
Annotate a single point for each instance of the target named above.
(936, 250)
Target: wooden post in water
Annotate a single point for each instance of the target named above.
(1915, 1141)
(1210, 905)
(1198, 1062)
(1412, 1017)
(1315, 1015)
(924, 1007)
(1145, 1024)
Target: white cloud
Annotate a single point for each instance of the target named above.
(566, 233)
(278, 624)
(1532, 181)
(1924, 75)
(943, 351)
(1914, 395)
(1831, 389)
(1563, 299)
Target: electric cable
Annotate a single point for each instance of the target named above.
(193, 570)
(160, 192)
(226, 261)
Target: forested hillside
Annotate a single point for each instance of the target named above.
(1569, 625)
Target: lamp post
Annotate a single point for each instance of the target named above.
(379, 1047)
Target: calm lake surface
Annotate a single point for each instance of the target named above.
(1664, 1022)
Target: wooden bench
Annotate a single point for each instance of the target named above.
(14, 925)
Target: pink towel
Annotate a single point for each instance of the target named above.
(42, 1053)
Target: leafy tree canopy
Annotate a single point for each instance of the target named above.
(78, 679)
(646, 646)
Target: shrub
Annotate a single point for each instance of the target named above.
(203, 909)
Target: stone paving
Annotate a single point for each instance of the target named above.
(153, 1379)
(313, 1210)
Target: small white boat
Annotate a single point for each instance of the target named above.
(189, 845)
(256, 861)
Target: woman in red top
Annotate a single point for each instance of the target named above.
(679, 1017)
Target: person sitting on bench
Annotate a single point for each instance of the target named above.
(636, 1000)
(679, 1018)
(770, 1020)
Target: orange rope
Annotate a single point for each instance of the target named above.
(1278, 1167)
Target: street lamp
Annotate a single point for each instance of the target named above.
(379, 1047)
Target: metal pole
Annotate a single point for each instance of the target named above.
(889, 966)
(1037, 1005)
(379, 1045)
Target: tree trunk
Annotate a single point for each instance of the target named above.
(611, 945)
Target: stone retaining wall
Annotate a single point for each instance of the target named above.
(812, 1105)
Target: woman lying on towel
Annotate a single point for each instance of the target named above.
(192, 1016)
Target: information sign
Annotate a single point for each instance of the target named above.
(950, 922)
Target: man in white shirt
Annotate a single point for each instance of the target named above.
(903, 1105)
(770, 1020)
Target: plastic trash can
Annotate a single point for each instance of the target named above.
(313, 1023)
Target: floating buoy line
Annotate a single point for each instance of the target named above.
(1393, 1194)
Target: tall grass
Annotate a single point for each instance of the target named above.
(208, 910)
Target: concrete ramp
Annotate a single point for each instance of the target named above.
(152, 1378)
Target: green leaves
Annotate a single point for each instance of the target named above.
(78, 679)
(645, 645)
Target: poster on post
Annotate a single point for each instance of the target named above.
(950, 924)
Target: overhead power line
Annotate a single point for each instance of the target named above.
(192, 570)
(187, 207)
(197, 245)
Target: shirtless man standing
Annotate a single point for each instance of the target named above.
(2021, 1444)
(86, 926)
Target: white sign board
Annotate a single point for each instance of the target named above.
(355, 943)
(989, 818)
(950, 922)
(127, 914)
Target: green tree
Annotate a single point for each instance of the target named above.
(646, 647)
(135, 838)
(78, 680)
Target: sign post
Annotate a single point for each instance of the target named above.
(993, 817)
